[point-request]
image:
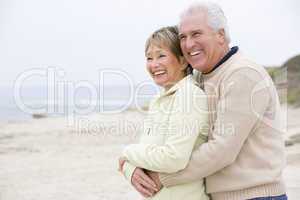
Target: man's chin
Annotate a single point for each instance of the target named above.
(198, 67)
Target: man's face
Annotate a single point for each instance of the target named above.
(200, 44)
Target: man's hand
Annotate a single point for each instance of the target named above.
(143, 183)
(155, 177)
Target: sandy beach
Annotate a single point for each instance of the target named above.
(59, 158)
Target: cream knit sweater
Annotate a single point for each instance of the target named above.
(175, 125)
(244, 157)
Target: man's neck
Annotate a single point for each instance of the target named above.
(221, 58)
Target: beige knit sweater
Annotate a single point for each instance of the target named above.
(244, 157)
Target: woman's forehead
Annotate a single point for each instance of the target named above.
(157, 47)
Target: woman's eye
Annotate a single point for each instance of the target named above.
(161, 56)
(148, 58)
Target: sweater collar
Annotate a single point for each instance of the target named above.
(230, 53)
(198, 76)
(175, 87)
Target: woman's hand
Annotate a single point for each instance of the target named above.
(122, 161)
(142, 180)
(143, 183)
(155, 177)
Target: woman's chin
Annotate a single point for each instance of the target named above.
(160, 82)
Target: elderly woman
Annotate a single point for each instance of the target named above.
(176, 122)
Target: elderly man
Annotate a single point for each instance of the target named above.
(244, 157)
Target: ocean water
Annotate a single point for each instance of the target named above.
(18, 105)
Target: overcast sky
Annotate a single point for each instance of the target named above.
(82, 37)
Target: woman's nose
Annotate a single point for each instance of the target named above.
(154, 64)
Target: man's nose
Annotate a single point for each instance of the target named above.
(189, 43)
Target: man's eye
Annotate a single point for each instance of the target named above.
(196, 34)
(182, 37)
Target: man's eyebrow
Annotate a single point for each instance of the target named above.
(180, 34)
(196, 30)
(192, 31)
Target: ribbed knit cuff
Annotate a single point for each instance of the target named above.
(167, 180)
(267, 190)
(128, 170)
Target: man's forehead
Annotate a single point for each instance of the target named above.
(192, 22)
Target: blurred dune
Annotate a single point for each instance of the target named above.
(287, 80)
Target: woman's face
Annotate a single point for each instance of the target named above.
(163, 66)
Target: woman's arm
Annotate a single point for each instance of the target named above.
(185, 126)
(128, 170)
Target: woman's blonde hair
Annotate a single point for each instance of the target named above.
(167, 37)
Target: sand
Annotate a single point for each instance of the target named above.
(53, 159)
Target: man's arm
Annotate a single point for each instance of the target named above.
(243, 101)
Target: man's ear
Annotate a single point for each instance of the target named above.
(221, 36)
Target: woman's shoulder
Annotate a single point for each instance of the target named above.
(191, 87)
(190, 95)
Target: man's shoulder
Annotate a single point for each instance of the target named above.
(243, 63)
(244, 66)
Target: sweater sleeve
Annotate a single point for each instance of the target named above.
(128, 170)
(185, 124)
(243, 101)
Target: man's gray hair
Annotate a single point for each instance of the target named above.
(216, 17)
